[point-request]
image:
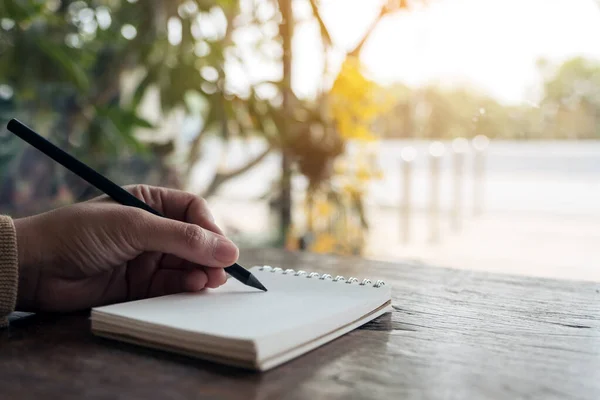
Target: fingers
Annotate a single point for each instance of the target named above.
(185, 240)
(171, 281)
(176, 204)
(216, 277)
(169, 202)
(195, 280)
(198, 213)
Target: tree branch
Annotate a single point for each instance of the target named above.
(386, 9)
(222, 177)
(360, 45)
(324, 31)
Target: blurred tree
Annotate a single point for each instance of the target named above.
(66, 65)
(113, 80)
(569, 107)
(286, 30)
(343, 112)
(110, 80)
(571, 99)
(399, 122)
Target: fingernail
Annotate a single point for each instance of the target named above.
(225, 251)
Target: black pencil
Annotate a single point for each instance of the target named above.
(108, 187)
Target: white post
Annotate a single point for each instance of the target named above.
(436, 151)
(407, 156)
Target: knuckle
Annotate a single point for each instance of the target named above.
(152, 195)
(194, 236)
(144, 191)
(203, 202)
(140, 190)
(130, 188)
(135, 190)
(204, 209)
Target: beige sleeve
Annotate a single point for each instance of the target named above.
(9, 268)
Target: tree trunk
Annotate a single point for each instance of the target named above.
(287, 32)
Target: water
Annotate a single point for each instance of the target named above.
(555, 177)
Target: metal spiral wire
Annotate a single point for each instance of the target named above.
(315, 275)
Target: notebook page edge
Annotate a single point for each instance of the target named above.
(137, 323)
(220, 349)
(274, 343)
(255, 363)
(305, 348)
(239, 363)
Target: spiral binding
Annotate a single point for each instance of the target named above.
(316, 275)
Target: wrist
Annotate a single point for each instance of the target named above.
(28, 264)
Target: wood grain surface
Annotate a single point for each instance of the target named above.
(454, 334)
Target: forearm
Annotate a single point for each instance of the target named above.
(9, 268)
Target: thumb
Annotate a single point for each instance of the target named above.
(184, 240)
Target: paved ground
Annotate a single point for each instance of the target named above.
(539, 245)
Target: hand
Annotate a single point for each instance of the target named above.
(99, 252)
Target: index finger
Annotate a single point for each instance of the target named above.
(175, 204)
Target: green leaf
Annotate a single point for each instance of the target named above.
(69, 67)
(120, 123)
(20, 10)
(140, 90)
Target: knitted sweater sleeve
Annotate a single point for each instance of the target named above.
(9, 269)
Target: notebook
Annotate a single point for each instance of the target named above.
(245, 327)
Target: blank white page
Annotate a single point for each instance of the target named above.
(240, 312)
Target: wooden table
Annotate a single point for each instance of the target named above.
(453, 335)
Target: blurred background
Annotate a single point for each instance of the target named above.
(459, 133)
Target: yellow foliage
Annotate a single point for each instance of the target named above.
(363, 174)
(355, 101)
(324, 243)
(340, 167)
(353, 104)
(348, 189)
(291, 241)
(323, 209)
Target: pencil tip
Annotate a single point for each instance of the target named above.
(252, 281)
